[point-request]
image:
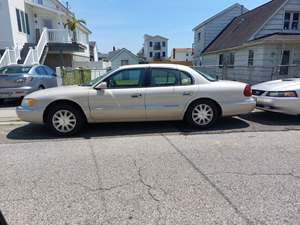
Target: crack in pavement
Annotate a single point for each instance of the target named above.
(88, 188)
(212, 184)
(99, 179)
(255, 174)
(149, 189)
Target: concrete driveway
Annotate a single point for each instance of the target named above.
(244, 171)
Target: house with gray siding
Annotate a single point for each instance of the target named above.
(122, 57)
(207, 31)
(260, 45)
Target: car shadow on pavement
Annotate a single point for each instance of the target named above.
(40, 132)
(272, 119)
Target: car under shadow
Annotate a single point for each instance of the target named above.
(41, 132)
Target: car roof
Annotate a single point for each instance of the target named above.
(156, 65)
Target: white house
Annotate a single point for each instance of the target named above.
(182, 54)
(155, 48)
(207, 31)
(35, 32)
(259, 45)
(122, 57)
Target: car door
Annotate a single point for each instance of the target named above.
(51, 78)
(161, 101)
(123, 100)
(40, 77)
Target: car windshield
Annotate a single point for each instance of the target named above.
(95, 81)
(15, 69)
(205, 75)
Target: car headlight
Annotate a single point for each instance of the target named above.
(282, 94)
(29, 102)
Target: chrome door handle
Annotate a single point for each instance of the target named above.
(186, 93)
(136, 95)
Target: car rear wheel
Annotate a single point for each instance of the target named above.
(65, 120)
(202, 114)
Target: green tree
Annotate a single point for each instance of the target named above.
(73, 24)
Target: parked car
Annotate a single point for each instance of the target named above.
(280, 96)
(16, 81)
(152, 92)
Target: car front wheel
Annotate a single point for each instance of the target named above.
(202, 114)
(65, 120)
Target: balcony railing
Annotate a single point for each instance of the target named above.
(157, 47)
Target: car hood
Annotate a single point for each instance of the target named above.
(279, 85)
(59, 92)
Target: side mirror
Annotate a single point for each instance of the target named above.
(101, 86)
(54, 75)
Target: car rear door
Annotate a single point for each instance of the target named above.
(161, 101)
(123, 100)
(51, 79)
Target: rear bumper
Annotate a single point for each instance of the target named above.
(239, 108)
(30, 115)
(6, 93)
(280, 105)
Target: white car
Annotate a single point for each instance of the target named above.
(150, 92)
(282, 96)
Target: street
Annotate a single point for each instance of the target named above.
(246, 170)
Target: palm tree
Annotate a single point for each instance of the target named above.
(72, 24)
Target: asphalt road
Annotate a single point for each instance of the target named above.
(246, 170)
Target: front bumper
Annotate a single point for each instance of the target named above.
(280, 105)
(30, 115)
(6, 93)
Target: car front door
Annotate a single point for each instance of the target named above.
(123, 100)
(161, 101)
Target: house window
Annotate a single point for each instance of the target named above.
(151, 54)
(251, 58)
(150, 43)
(124, 62)
(164, 54)
(199, 36)
(291, 21)
(285, 61)
(230, 59)
(40, 2)
(22, 21)
(19, 20)
(221, 60)
(164, 44)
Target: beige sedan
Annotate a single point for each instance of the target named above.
(151, 92)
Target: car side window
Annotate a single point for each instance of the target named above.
(49, 71)
(40, 71)
(164, 77)
(185, 79)
(130, 78)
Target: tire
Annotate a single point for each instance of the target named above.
(41, 87)
(65, 120)
(202, 114)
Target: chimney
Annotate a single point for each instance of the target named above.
(114, 48)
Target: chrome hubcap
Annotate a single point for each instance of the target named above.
(202, 114)
(64, 121)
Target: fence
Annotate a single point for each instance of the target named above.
(251, 74)
(78, 76)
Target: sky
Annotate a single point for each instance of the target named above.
(123, 23)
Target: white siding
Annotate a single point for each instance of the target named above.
(148, 49)
(6, 39)
(212, 29)
(275, 24)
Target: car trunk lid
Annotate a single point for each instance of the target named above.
(11, 80)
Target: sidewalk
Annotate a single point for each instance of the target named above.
(9, 116)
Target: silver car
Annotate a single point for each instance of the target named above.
(16, 81)
(152, 92)
(282, 96)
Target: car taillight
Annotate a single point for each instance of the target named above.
(248, 91)
(29, 79)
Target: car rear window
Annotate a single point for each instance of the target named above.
(14, 69)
